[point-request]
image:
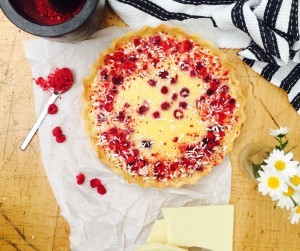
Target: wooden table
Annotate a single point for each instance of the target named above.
(29, 215)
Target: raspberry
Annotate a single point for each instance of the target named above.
(108, 107)
(57, 131)
(174, 96)
(156, 115)
(101, 189)
(140, 164)
(185, 92)
(61, 138)
(152, 82)
(183, 104)
(164, 90)
(95, 183)
(165, 106)
(163, 74)
(178, 114)
(130, 160)
(80, 178)
(52, 109)
(142, 110)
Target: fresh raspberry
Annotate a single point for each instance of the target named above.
(61, 138)
(164, 90)
(52, 109)
(185, 92)
(178, 114)
(101, 189)
(57, 131)
(165, 106)
(80, 178)
(143, 109)
(174, 96)
(183, 104)
(95, 183)
(156, 114)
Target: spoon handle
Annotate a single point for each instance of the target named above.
(38, 122)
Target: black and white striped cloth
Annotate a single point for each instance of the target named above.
(266, 30)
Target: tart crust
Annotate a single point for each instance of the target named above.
(233, 133)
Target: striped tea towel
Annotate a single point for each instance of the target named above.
(267, 30)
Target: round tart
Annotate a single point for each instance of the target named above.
(162, 107)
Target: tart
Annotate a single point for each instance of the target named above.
(162, 107)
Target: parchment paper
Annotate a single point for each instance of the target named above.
(123, 217)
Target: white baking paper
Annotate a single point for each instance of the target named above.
(122, 218)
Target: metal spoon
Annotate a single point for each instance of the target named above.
(39, 121)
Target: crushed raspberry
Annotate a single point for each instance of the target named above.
(104, 74)
(59, 81)
(163, 74)
(164, 90)
(80, 178)
(174, 96)
(185, 92)
(121, 116)
(187, 45)
(174, 166)
(142, 110)
(108, 107)
(165, 106)
(141, 164)
(130, 160)
(174, 80)
(52, 109)
(57, 131)
(175, 139)
(117, 80)
(101, 189)
(193, 73)
(137, 41)
(224, 89)
(232, 101)
(156, 114)
(95, 183)
(152, 82)
(61, 138)
(156, 40)
(210, 92)
(183, 105)
(178, 114)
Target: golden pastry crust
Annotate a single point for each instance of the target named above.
(227, 140)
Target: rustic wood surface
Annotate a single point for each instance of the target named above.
(29, 215)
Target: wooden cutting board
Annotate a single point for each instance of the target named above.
(29, 215)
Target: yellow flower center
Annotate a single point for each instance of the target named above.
(298, 210)
(273, 182)
(295, 180)
(280, 165)
(290, 192)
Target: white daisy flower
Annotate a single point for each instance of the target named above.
(281, 131)
(294, 181)
(295, 216)
(286, 200)
(271, 182)
(282, 163)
